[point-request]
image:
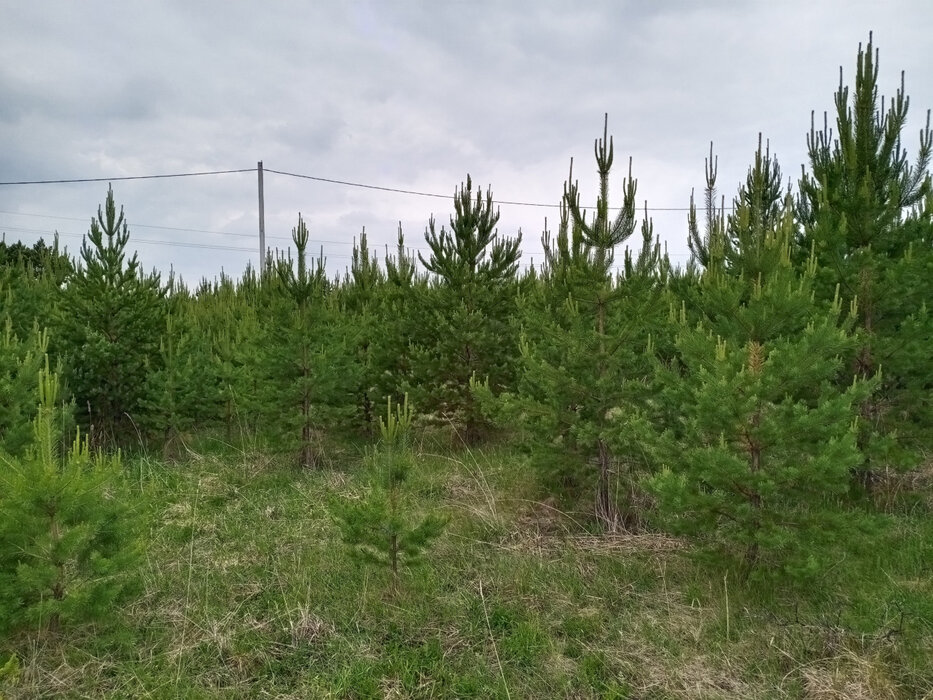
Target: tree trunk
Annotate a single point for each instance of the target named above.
(606, 511)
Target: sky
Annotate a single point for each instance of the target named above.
(409, 95)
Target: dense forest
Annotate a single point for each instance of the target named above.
(765, 409)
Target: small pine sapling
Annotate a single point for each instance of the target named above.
(68, 533)
(20, 362)
(9, 672)
(379, 530)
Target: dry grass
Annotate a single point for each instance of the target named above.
(248, 594)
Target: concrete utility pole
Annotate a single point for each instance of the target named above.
(262, 224)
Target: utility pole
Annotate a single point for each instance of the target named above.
(262, 224)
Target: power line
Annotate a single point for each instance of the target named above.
(417, 193)
(126, 177)
(345, 183)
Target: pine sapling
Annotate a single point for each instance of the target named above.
(68, 535)
(381, 529)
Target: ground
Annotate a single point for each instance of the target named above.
(247, 592)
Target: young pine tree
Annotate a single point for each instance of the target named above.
(766, 428)
(587, 351)
(361, 298)
(402, 325)
(107, 327)
(183, 392)
(30, 278)
(229, 314)
(310, 371)
(382, 529)
(68, 533)
(866, 212)
(20, 363)
(474, 272)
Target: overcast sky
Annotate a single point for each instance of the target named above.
(409, 95)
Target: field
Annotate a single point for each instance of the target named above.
(248, 592)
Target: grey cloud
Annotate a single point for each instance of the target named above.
(414, 96)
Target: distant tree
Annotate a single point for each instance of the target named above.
(361, 295)
(227, 313)
(403, 325)
(106, 330)
(309, 372)
(30, 279)
(37, 260)
(183, 391)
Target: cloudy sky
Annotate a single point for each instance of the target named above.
(408, 95)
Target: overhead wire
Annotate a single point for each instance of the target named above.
(316, 178)
(160, 176)
(122, 178)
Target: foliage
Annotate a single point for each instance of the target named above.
(107, 329)
(309, 373)
(400, 325)
(360, 295)
(9, 672)
(228, 314)
(380, 529)
(182, 393)
(20, 364)
(68, 531)
(37, 260)
(30, 278)
(586, 346)
(766, 437)
(866, 212)
(472, 300)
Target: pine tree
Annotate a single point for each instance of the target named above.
(183, 392)
(229, 315)
(866, 212)
(381, 530)
(107, 327)
(68, 532)
(766, 429)
(474, 272)
(361, 294)
(587, 346)
(309, 373)
(30, 278)
(403, 323)
(20, 363)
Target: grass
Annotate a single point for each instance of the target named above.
(248, 593)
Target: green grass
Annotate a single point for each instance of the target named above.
(247, 592)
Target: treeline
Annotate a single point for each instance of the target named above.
(749, 398)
